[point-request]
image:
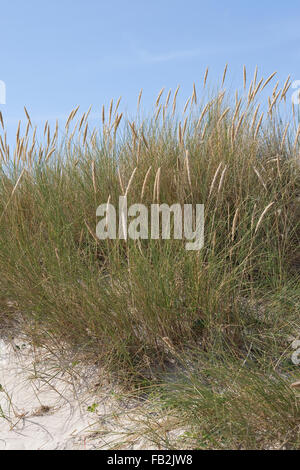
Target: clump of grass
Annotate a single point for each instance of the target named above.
(140, 306)
(226, 404)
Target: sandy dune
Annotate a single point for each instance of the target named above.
(43, 407)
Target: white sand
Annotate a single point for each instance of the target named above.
(43, 407)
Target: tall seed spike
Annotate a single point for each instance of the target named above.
(224, 74)
(205, 77)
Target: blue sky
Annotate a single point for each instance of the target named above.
(59, 54)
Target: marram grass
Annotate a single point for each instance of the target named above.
(209, 331)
